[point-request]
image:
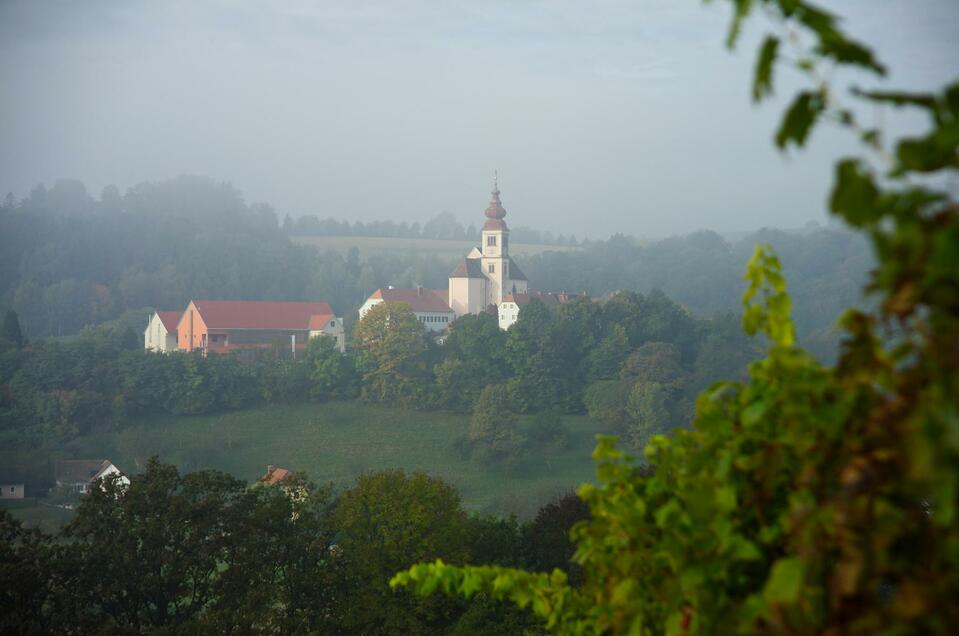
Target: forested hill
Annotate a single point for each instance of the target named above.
(826, 270)
(68, 260)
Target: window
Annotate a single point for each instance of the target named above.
(491, 268)
(491, 240)
(332, 323)
(505, 269)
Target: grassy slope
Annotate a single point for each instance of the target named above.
(337, 441)
(438, 247)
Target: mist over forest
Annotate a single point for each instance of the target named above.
(71, 259)
(513, 318)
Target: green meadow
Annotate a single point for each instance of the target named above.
(335, 442)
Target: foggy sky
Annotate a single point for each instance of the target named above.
(601, 116)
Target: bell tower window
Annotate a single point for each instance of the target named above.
(491, 268)
(491, 240)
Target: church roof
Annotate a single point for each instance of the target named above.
(515, 273)
(468, 268)
(495, 224)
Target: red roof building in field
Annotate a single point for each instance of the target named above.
(222, 326)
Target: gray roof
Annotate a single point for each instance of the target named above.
(515, 273)
(80, 470)
(468, 268)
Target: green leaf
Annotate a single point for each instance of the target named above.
(743, 8)
(763, 79)
(785, 581)
(854, 195)
(799, 119)
(845, 51)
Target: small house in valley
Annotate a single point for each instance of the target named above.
(160, 334)
(222, 326)
(79, 475)
(12, 484)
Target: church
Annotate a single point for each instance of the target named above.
(479, 282)
(487, 274)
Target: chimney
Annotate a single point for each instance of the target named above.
(270, 468)
(419, 290)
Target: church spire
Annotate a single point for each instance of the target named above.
(495, 209)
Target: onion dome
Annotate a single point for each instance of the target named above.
(495, 209)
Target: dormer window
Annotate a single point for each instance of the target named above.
(491, 240)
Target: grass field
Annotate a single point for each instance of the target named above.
(437, 247)
(336, 442)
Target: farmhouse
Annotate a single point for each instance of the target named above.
(429, 305)
(79, 474)
(222, 326)
(160, 334)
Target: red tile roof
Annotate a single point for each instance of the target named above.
(274, 475)
(419, 299)
(170, 319)
(245, 314)
(318, 321)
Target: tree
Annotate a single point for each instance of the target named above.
(147, 555)
(810, 499)
(479, 345)
(648, 412)
(388, 521)
(11, 329)
(493, 436)
(391, 347)
(547, 537)
(26, 579)
(330, 372)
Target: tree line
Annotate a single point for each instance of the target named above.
(634, 362)
(443, 226)
(69, 260)
(204, 553)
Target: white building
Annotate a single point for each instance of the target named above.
(480, 281)
(487, 274)
(509, 309)
(79, 475)
(160, 334)
(429, 305)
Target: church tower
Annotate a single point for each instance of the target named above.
(487, 275)
(495, 249)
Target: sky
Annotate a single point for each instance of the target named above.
(600, 116)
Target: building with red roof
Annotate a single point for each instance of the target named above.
(160, 334)
(430, 305)
(222, 326)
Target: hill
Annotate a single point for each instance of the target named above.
(336, 442)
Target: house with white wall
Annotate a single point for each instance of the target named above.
(160, 334)
(429, 305)
(79, 475)
(512, 304)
